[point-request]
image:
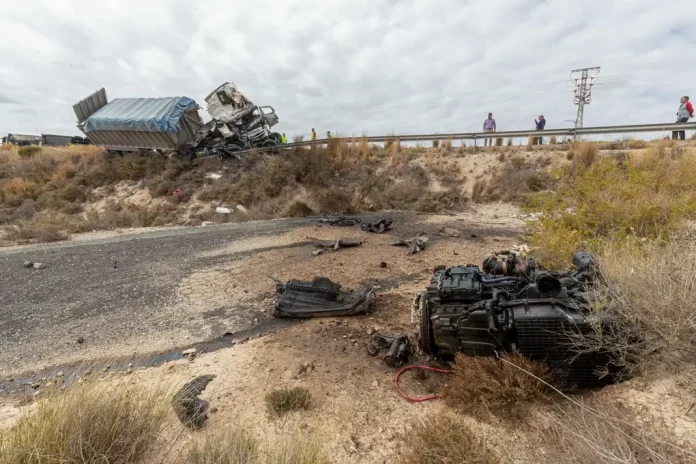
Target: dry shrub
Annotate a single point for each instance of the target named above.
(446, 438)
(298, 208)
(297, 451)
(553, 140)
(584, 154)
(436, 143)
(501, 157)
(650, 289)
(35, 231)
(515, 180)
(509, 142)
(88, 423)
(283, 400)
(499, 142)
(570, 155)
(447, 145)
(364, 148)
(636, 144)
(298, 138)
(602, 433)
(232, 445)
(530, 143)
(28, 151)
(647, 197)
(484, 386)
(478, 190)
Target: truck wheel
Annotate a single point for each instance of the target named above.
(269, 143)
(277, 137)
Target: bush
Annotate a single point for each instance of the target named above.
(481, 386)
(287, 399)
(297, 451)
(446, 439)
(28, 151)
(87, 424)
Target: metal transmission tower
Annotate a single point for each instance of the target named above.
(584, 79)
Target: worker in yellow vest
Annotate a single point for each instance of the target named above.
(328, 134)
(283, 138)
(314, 135)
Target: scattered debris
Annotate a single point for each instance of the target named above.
(318, 298)
(242, 208)
(213, 175)
(450, 232)
(223, 210)
(397, 345)
(207, 223)
(39, 265)
(414, 244)
(383, 265)
(299, 370)
(333, 245)
(190, 353)
(28, 264)
(191, 410)
(340, 221)
(80, 340)
(515, 305)
(378, 227)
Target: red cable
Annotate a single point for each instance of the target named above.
(417, 399)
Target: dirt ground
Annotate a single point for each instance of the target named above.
(355, 413)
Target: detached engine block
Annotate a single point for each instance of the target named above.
(514, 305)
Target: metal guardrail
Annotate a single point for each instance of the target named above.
(570, 132)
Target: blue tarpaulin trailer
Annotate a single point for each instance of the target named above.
(129, 124)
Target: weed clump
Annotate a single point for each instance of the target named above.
(481, 386)
(28, 151)
(284, 400)
(232, 446)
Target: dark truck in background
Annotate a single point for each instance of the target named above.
(174, 125)
(48, 140)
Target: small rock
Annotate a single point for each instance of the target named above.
(382, 264)
(370, 331)
(28, 264)
(241, 208)
(39, 265)
(80, 340)
(213, 410)
(129, 371)
(207, 223)
(88, 373)
(454, 233)
(37, 393)
(130, 365)
(190, 352)
(375, 384)
(256, 320)
(60, 374)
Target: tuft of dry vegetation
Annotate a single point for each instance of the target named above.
(28, 151)
(298, 451)
(87, 424)
(485, 386)
(648, 196)
(513, 182)
(583, 154)
(284, 400)
(636, 144)
(446, 438)
(436, 143)
(232, 445)
(597, 432)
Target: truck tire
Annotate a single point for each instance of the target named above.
(269, 143)
(277, 137)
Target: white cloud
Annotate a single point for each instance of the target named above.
(352, 66)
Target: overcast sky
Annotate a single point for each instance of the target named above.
(352, 67)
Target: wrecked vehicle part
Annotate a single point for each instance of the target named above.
(397, 348)
(378, 227)
(191, 410)
(339, 221)
(333, 245)
(414, 244)
(319, 298)
(541, 314)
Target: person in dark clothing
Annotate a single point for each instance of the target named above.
(540, 124)
(685, 111)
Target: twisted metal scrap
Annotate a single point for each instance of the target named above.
(414, 244)
(191, 410)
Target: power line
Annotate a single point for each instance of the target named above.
(583, 89)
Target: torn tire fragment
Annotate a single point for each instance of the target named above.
(333, 245)
(378, 227)
(319, 298)
(191, 410)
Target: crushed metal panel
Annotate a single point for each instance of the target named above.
(90, 105)
(320, 298)
(227, 104)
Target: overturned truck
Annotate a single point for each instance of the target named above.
(174, 125)
(514, 305)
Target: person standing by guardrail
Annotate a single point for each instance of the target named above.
(489, 126)
(283, 139)
(685, 111)
(313, 137)
(540, 124)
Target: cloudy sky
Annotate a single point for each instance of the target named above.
(352, 66)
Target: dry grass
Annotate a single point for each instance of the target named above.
(231, 445)
(514, 181)
(602, 433)
(478, 190)
(447, 145)
(446, 438)
(585, 154)
(297, 451)
(87, 424)
(28, 151)
(284, 400)
(436, 143)
(485, 386)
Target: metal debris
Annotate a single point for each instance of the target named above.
(223, 210)
(378, 227)
(414, 244)
(397, 346)
(191, 410)
(333, 245)
(340, 221)
(319, 298)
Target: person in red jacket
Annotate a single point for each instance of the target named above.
(685, 111)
